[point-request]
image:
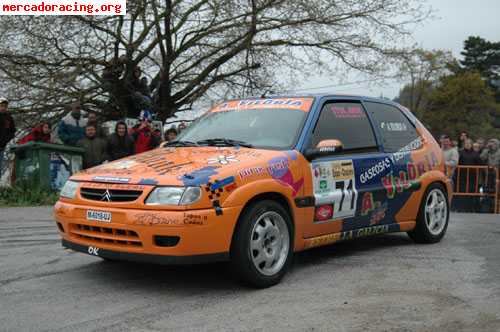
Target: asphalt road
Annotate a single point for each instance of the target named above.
(385, 283)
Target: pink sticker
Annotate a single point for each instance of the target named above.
(348, 112)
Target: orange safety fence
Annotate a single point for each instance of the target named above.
(479, 182)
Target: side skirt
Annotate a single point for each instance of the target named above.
(357, 233)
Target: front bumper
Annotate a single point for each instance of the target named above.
(132, 233)
(145, 258)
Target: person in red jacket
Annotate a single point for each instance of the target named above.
(143, 136)
(40, 133)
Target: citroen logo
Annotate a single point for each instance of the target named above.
(106, 196)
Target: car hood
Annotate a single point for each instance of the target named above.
(192, 166)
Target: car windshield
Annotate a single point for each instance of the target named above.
(269, 128)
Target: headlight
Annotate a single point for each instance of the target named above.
(174, 196)
(69, 189)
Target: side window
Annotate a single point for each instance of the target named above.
(398, 133)
(346, 122)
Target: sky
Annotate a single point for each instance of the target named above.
(454, 21)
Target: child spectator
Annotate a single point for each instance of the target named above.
(170, 135)
(72, 126)
(92, 119)
(143, 134)
(41, 133)
(120, 144)
(94, 148)
(7, 128)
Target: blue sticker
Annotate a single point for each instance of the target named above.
(151, 182)
(222, 183)
(198, 177)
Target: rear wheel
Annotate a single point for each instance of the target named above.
(262, 245)
(433, 216)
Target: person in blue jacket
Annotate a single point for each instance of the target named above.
(72, 126)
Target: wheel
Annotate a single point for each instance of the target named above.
(262, 246)
(433, 216)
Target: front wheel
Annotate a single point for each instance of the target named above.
(433, 216)
(262, 245)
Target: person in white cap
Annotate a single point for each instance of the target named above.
(7, 128)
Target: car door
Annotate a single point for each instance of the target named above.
(348, 193)
(401, 142)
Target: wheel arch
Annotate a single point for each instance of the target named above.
(278, 197)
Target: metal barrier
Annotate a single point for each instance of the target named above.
(482, 182)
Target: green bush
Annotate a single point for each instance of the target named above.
(26, 194)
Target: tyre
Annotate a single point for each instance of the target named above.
(433, 216)
(262, 246)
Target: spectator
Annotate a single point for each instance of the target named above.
(40, 133)
(157, 135)
(143, 134)
(94, 148)
(450, 155)
(476, 147)
(480, 141)
(181, 127)
(72, 126)
(120, 144)
(170, 135)
(468, 157)
(461, 140)
(92, 119)
(7, 128)
(491, 153)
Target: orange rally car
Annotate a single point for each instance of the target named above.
(255, 180)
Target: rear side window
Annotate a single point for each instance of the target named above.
(398, 133)
(346, 122)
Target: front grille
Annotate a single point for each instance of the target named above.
(118, 236)
(110, 195)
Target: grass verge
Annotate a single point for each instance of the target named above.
(25, 194)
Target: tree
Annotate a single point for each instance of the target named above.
(422, 69)
(191, 49)
(482, 56)
(461, 102)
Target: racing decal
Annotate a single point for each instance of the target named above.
(93, 251)
(198, 177)
(393, 126)
(151, 182)
(302, 104)
(334, 184)
(251, 172)
(279, 169)
(223, 159)
(375, 170)
(351, 111)
(349, 235)
(110, 179)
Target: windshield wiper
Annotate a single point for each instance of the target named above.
(224, 142)
(181, 143)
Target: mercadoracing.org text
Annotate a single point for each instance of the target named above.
(63, 7)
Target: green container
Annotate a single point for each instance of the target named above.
(46, 165)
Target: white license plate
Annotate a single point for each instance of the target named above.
(99, 215)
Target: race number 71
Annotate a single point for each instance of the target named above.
(344, 204)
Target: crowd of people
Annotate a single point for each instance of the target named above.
(470, 179)
(88, 133)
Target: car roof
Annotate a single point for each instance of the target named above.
(323, 95)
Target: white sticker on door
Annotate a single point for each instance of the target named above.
(334, 185)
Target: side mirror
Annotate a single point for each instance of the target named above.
(324, 148)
